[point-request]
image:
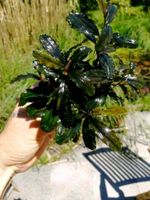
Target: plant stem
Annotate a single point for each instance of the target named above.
(102, 6)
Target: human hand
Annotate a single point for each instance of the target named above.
(22, 142)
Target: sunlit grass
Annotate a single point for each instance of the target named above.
(9, 69)
(21, 23)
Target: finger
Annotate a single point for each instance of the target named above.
(19, 112)
(42, 134)
(43, 147)
(23, 167)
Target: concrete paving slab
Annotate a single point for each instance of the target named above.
(73, 179)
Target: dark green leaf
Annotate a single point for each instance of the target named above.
(98, 102)
(107, 64)
(135, 84)
(121, 41)
(111, 13)
(113, 96)
(69, 115)
(94, 76)
(51, 47)
(73, 91)
(80, 66)
(47, 72)
(105, 38)
(84, 25)
(132, 67)
(47, 60)
(48, 121)
(110, 137)
(35, 109)
(24, 77)
(37, 93)
(29, 96)
(38, 89)
(66, 115)
(62, 95)
(80, 54)
(64, 135)
(88, 135)
(100, 127)
(82, 83)
(67, 54)
(53, 97)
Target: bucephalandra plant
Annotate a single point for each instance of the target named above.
(73, 90)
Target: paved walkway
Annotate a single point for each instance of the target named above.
(75, 178)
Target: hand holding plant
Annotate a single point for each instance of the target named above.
(21, 143)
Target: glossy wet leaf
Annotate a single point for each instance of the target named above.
(30, 96)
(83, 83)
(108, 135)
(46, 71)
(38, 88)
(73, 91)
(105, 38)
(68, 52)
(134, 84)
(82, 66)
(89, 136)
(84, 25)
(132, 66)
(51, 46)
(62, 95)
(80, 54)
(111, 13)
(64, 134)
(39, 93)
(100, 127)
(97, 102)
(121, 41)
(35, 109)
(107, 64)
(52, 99)
(65, 114)
(48, 121)
(68, 115)
(47, 60)
(95, 76)
(130, 77)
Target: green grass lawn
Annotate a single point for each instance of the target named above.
(9, 92)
